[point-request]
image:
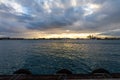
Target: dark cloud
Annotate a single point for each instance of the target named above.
(56, 20)
(105, 18)
(88, 16)
(112, 33)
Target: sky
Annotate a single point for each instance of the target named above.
(59, 18)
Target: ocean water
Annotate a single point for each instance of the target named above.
(49, 56)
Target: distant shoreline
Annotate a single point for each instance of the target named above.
(60, 39)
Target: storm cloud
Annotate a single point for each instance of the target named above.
(25, 17)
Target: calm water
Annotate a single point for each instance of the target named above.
(49, 56)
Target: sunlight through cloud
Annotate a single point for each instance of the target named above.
(90, 9)
(15, 7)
(74, 3)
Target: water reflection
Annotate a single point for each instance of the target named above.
(47, 57)
(68, 50)
(58, 56)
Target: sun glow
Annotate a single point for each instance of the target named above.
(64, 35)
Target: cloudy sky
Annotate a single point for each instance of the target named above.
(59, 18)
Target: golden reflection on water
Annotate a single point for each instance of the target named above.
(69, 50)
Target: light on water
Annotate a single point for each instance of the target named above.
(49, 56)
